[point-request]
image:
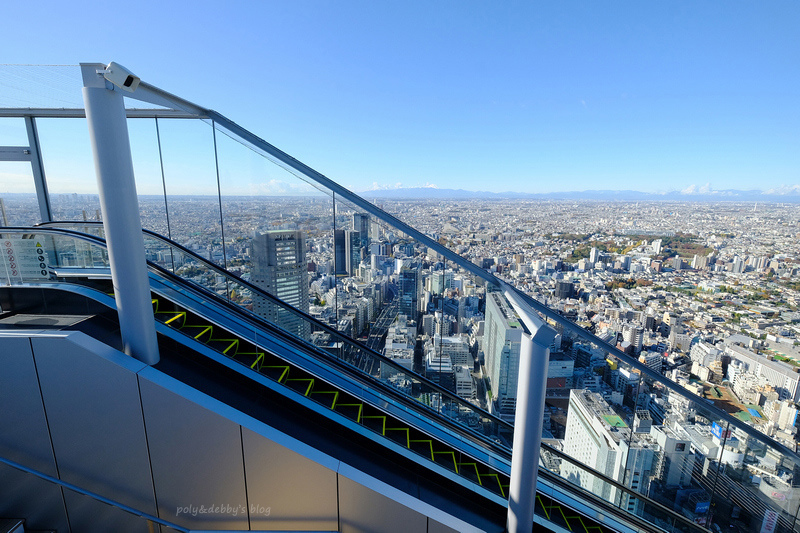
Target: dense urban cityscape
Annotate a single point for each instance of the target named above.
(704, 294)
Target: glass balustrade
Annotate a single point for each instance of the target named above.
(433, 329)
(85, 254)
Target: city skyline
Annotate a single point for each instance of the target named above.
(563, 97)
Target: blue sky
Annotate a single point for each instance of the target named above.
(512, 96)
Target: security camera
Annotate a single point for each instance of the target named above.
(121, 77)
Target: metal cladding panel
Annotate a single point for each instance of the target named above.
(197, 459)
(24, 436)
(362, 509)
(88, 515)
(39, 501)
(286, 490)
(91, 397)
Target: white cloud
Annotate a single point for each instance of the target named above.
(784, 189)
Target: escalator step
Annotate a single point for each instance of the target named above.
(400, 435)
(470, 471)
(352, 411)
(376, 423)
(492, 482)
(326, 398)
(301, 385)
(423, 447)
(279, 373)
(251, 359)
(200, 333)
(446, 459)
(226, 346)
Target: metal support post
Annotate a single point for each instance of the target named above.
(529, 416)
(37, 167)
(108, 133)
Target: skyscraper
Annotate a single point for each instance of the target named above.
(361, 225)
(501, 348)
(352, 252)
(409, 284)
(280, 268)
(339, 252)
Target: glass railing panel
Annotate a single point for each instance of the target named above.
(146, 156)
(18, 203)
(713, 447)
(763, 487)
(67, 252)
(588, 480)
(36, 257)
(662, 518)
(187, 153)
(69, 168)
(423, 312)
(162, 254)
(277, 234)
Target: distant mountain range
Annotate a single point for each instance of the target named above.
(781, 195)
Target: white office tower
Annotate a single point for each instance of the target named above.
(280, 268)
(633, 334)
(597, 437)
(674, 465)
(501, 347)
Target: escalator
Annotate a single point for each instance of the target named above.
(320, 398)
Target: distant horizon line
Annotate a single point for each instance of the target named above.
(785, 194)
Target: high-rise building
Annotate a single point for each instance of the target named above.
(441, 280)
(600, 439)
(502, 338)
(409, 285)
(633, 334)
(280, 268)
(352, 240)
(361, 225)
(339, 253)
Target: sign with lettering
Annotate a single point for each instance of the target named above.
(23, 259)
(720, 433)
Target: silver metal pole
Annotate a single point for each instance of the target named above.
(108, 133)
(529, 416)
(528, 420)
(37, 167)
